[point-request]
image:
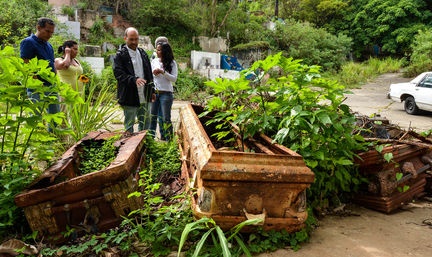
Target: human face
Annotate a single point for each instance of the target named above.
(131, 39)
(159, 51)
(74, 51)
(45, 33)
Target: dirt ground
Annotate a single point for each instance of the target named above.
(368, 233)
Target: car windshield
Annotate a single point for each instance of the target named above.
(417, 79)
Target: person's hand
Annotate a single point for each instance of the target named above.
(158, 71)
(140, 82)
(67, 50)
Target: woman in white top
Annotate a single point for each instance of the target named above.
(164, 74)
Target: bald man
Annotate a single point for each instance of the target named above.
(132, 70)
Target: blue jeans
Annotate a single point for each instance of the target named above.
(161, 109)
(132, 112)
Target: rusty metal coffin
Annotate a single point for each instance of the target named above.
(233, 186)
(61, 197)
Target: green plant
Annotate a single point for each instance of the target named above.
(220, 244)
(190, 86)
(163, 156)
(94, 112)
(265, 241)
(353, 74)
(158, 224)
(25, 144)
(291, 103)
(421, 50)
(68, 10)
(97, 155)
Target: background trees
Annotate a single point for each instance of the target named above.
(362, 28)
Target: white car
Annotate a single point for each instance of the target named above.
(416, 94)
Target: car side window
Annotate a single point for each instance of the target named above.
(426, 82)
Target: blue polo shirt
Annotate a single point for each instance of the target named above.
(33, 46)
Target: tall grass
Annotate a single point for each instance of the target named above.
(353, 75)
(96, 112)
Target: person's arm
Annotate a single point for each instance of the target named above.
(26, 51)
(63, 63)
(174, 73)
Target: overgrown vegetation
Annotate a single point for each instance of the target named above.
(288, 100)
(291, 103)
(26, 144)
(95, 109)
(97, 155)
(354, 75)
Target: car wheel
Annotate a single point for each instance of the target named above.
(410, 105)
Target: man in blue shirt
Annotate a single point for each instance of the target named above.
(37, 45)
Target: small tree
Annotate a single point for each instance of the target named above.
(291, 103)
(421, 54)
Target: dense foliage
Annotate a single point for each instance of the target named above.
(25, 141)
(358, 29)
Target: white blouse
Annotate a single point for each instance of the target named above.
(164, 81)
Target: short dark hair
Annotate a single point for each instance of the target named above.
(42, 22)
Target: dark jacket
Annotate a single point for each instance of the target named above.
(127, 92)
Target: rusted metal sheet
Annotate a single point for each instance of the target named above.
(233, 186)
(63, 197)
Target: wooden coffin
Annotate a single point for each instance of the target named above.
(61, 198)
(233, 186)
(384, 191)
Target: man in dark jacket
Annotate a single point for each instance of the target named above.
(135, 90)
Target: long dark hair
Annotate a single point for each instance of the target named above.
(167, 56)
(68, 43)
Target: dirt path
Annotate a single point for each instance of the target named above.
(370, 234)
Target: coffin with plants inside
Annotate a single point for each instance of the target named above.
(86, 190)
(236, 180)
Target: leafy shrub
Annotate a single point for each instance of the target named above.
(25, 143)
(421, 54)
(313, 46)
(190, 86)
(95, 110)
(291, 103)
(97, 155)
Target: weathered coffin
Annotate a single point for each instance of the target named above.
(233, 186)
(61, 197)
(384, 192)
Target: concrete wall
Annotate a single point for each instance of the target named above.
(203, 60)
(97, 63)
(219, 73)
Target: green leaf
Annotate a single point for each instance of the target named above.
(388, 157)
(223, 242)
(379, 148)
(399, 175)
(201, 242)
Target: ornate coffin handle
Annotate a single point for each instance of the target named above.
(262, 216)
